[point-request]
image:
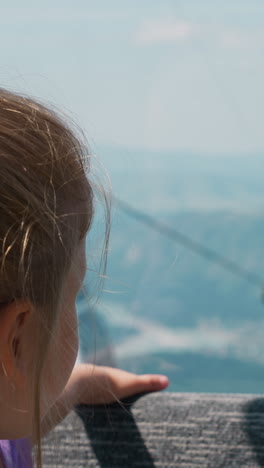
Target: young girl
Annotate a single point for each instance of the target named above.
(46, 209)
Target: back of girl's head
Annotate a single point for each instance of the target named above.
(46, 206)
(43, 182)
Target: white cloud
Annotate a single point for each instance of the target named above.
(164, 31)
(169, 31)
(208, 337)
(232, 39)
(238, 38)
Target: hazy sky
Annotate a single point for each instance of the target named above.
(159, 74)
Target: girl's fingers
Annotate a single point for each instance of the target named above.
(154, 382)
(144, 383)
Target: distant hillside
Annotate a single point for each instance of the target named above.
(166, 182)
(155, 274)
(164, 306)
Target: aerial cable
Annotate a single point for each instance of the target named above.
(180, 238)
(189, 243)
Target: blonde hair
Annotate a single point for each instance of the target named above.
(44, 169)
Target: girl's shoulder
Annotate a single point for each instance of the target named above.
(16, 453)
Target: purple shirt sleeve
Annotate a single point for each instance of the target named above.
(16, 453)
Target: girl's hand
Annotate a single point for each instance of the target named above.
(95, 385)
(100, 384)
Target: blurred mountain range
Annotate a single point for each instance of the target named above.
(167, 309)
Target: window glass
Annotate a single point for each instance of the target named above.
(170, 96)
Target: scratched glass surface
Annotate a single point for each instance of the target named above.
(170, 97)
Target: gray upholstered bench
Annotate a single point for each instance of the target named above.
(162, 430)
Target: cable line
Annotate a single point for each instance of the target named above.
(173, 234)
(190, 244)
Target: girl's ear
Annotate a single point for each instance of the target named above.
(14, 318)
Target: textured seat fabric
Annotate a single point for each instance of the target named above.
(162, 430)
